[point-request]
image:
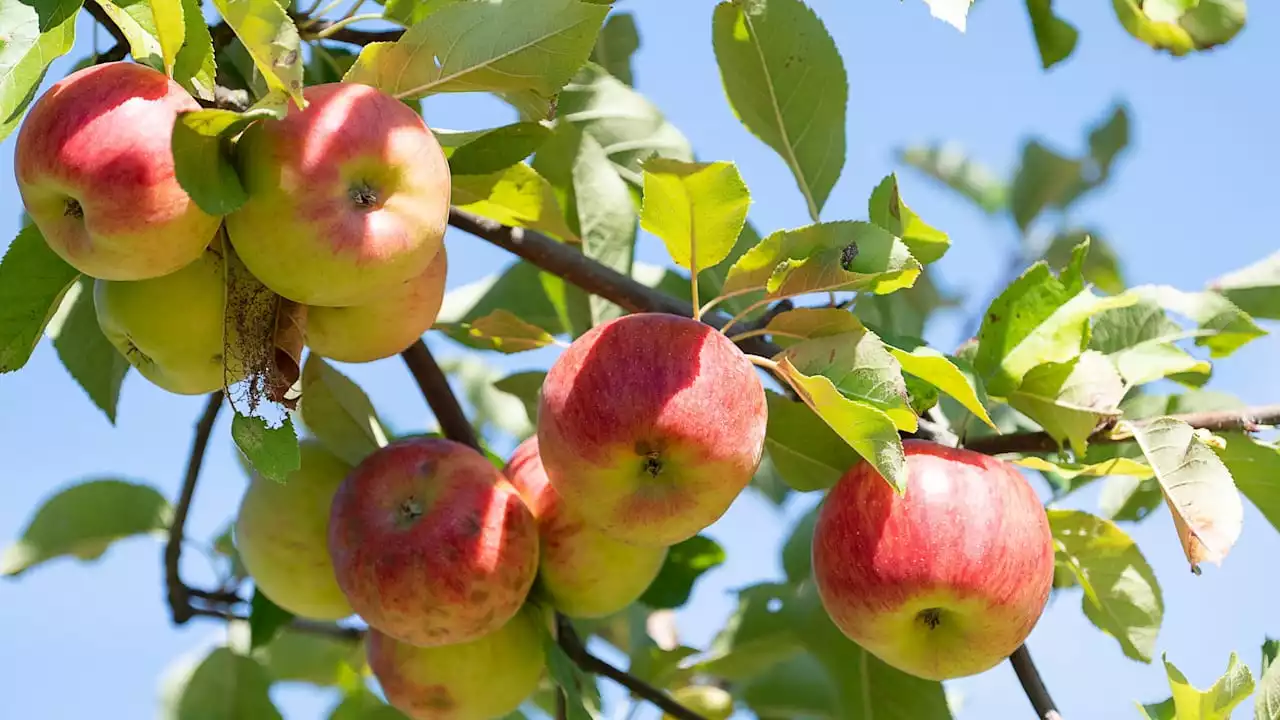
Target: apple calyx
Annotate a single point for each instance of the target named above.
(365, 197)
(73, 209)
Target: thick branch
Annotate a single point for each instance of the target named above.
(1034, 687)
(577, 652)
(435, 387)
(179, 595)
(1249, 419)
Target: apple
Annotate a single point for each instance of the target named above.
(384, 327)
(487, 677)
(431, 544)
(281, 534)
(583, 572)
(95, 170)
(348, 198)
(650, 425)
(944, 581)
(171, 327)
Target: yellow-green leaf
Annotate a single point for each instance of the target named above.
(868, 430)
(861, 367)
(1070, 399)
(171, 29)
(268, 33)
(886, 209)
(35, 34)
(936, 369)
(194, 66)
(136, 20)
(1182, 27)
(803, 323)
(1115, 466)
(698, 209)
(517, 196)
(505, 332)
(1215, 703)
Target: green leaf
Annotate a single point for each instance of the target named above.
(266, 619)
(268, 33)
(490, 151)
(1071, 399)
(171, 30)
(617, 42)
(629, 127)
(203, 160)
(516, 196)
(866, 429)
(1037, 319)
(338, 412)
(806, 452)
(1206, 507)
(1180, 28)
(1266, 705)
(501, 330)
(939, 371)
(886, 209)
(33, 282)
(1055, 37)
(754, 638)
(295, 655)
(1160, 711)
(798, 687)
(411, 12)
(511, 46)
(226, 686)
(951, 166)
(786, 81)
(1121, 466)
(84, 351)
(657, 666)
(792, 326)
(36, 33)
(686, 562)
(797, 551)
(1254, 465)
(825, 257)
(273, 452)
(903, 313)
(1254, 289)
(195, 65)
(566, 675)
(860, 367)
(698, 209)
(1101, 266)
(1215, 703)
(1121, 595)
(1224, 328)
(138, 23)
(1140, 339)
(1129, 499)
(525, 386)
(519, 289)
(83, 520)
(1044, 179)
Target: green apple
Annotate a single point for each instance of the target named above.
(281, 534)
(171, 327)
(348, 198)
(384, 327)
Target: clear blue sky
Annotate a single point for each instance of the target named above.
(1187, 202)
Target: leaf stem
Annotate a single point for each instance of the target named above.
(745, 312)
(316, 15)
(759, 332)
(336, 27)
(721, 298)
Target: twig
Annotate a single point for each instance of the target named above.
(577, 652)
(352, 36)
(179, 593)
(338, 26)
(114, 54)
(1249, 419)
(435, 388)
(1029, 676)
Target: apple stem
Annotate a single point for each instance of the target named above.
(763, 362)
(745, 312)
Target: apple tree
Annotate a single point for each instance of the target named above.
(236, 200)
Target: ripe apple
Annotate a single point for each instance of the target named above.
(347, 198)
(281, 534)
(431, 544)
(487, 677)
(95, 170)
(944, 581)
(384, 327)
(171, 327)
(650, 425)
(583, 572)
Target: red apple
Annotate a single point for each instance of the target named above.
(650, 425)
(944, 581)
(384, 327)
(431, 544)
(348, 198)
(584, 572)
(95, 170)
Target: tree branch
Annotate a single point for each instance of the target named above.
(1029, 676)
(351, 35)
(122, 43)
(577, 651)
(1249, 419)
(435, 388)
(179, 594)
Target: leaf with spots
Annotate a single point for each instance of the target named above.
(268, 33)
(503, 331)
(887, 209)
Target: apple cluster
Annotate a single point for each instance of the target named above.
(346, 207)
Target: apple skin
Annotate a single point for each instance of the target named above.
(945, 581)
(650, 425)
(95, 170)
(431, 544)
(384, 327)
(281, 534)
(583, 572)
(171, 327)
(476, 680)
(347, 198)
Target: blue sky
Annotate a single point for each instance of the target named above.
(1187, 202)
